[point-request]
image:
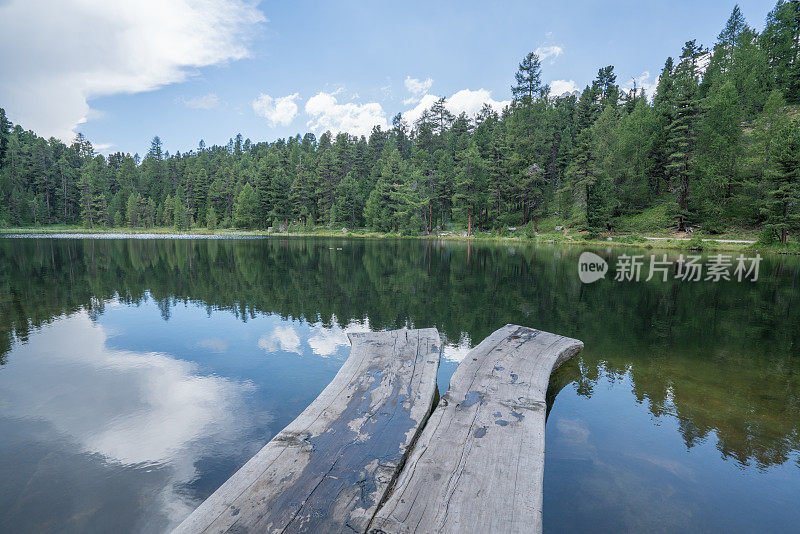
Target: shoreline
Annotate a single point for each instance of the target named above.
(699, 243)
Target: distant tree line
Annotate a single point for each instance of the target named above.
(717, 145)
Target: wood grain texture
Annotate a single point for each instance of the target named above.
(478, 464)
(329, 469)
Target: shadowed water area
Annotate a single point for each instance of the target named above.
(136, 375)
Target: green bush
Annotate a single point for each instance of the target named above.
(630, 239)
(528, 230)
(696, 243)
(658, 218)
(767, 237)
(593, 233)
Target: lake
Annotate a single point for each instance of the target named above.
(136, 375)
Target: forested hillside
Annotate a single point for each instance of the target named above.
(717, 145)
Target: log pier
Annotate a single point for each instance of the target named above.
(369, 456)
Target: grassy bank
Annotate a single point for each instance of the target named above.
(548, 235)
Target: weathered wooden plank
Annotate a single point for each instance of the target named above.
(478, 464)
(328, 470)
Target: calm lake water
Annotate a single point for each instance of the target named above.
(136, 375)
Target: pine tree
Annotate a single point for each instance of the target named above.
(664, 115)
(605, 88)
(782, 206)
(377, 212)
(681, 137)
(781, 42)
(443, 178)
(279, 189)
(533, 184)
(499, 186)
(245, 210)
(326, 185)
(772, 120)
(262, 181)
(196, 190)
(721, 146)
(440, 116)
(388, 198)
(528, 78)
(91, 189)
(582, 171)
(348, 200)
(151, 213)
(301, 197)
(101, 208)
(729, 38)
(132, 209)
(156, 151)
(168, 212)
(467, 187)
(5, 129)
(211, 218)
(180, 217)
(66, 193)
(581, 176)
(738, 59)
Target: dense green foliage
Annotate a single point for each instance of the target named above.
(716, 146)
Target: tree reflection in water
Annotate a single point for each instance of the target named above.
(720, 357)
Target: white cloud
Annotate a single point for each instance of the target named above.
(213, 344)
(552, 51)
(131, 408)
(281, 110)
(326, 341)
(643, 81)
(412, 115)
(281, 338)
(465, 100)
(356, 119)
(559, 87)
(456, 352)
(57, 56)
(703, 61)
(573, 431)
(417, 88)
(103, 148)
(471, 102)
(209, 101)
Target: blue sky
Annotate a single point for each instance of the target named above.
(122, 72)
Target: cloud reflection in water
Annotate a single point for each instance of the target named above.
(139, 411)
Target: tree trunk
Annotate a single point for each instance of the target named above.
(499, 221)
(783, 229)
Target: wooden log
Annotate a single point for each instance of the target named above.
(329, 469)
(479, 463)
